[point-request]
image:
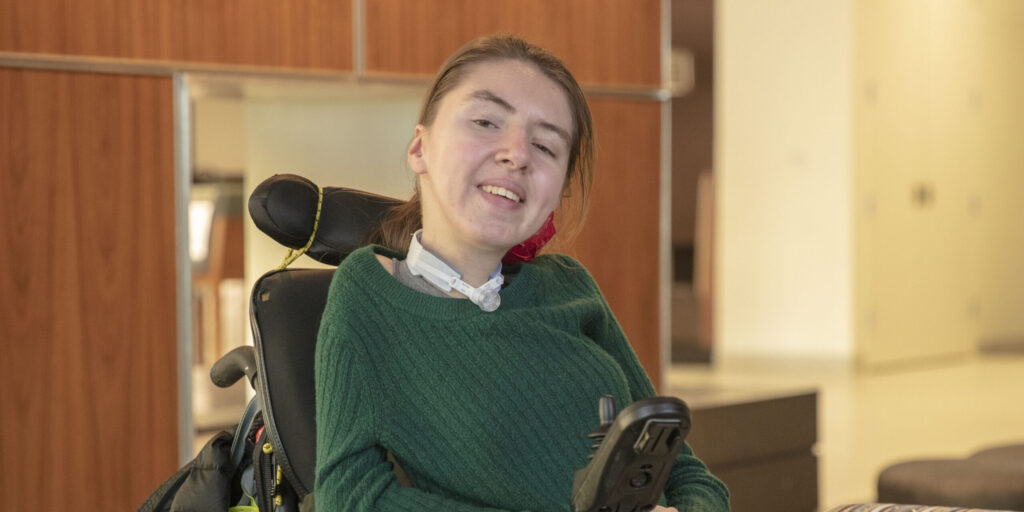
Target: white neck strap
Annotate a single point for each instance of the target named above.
(440, 274)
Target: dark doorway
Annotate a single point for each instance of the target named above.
(692, 180)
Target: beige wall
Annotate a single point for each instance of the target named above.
(1000, 154)
(939, 104)
(833, 119)
(347, 137)
(783, 170)
(333, 134)
(218, 133)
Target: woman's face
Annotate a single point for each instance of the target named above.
(493, 163)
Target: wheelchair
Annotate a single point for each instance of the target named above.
(285, 308)
(272, 455)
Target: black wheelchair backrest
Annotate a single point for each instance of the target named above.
(286, 305)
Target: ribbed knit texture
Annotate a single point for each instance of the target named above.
(483, 411)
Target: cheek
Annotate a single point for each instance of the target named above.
(553, 187)
(461, 158)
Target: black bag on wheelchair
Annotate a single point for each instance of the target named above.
(236, 471)
(202, 484)
(213, 480)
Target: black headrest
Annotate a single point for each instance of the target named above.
(284, 207)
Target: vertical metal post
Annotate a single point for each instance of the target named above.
(183, 264)
(665, 201)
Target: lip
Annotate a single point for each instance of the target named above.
(504, 183)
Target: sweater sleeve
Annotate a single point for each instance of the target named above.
(690, 486)
(352, 472)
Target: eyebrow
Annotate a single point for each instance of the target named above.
(486, 95)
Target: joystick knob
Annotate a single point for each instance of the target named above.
(606, 410)
(606, 414)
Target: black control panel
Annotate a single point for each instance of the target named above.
(633, 454)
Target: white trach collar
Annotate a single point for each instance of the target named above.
(440, 274)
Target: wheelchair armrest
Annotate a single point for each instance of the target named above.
(241, 361)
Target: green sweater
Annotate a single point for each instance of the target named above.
(483, 411)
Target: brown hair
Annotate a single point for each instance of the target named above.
(403, 220)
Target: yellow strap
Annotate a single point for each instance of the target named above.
(251, 507)
(293, 254)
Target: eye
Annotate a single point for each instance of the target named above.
(544, 149)
(484, 123)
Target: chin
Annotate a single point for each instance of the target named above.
(502, 244)
(500, 238)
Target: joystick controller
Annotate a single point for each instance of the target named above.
(633, 454)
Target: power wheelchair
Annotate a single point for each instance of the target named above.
(272, 454)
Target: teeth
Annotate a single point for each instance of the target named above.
(501, 191)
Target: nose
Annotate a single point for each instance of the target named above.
(514, 151)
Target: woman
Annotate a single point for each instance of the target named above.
(481, 380)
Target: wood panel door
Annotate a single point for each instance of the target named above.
(620, 241)
(88, 416)
(304, 34)
(918, 155)
(604, 42)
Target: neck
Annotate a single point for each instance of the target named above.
(475, 266)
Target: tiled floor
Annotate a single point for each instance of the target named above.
(868, 420)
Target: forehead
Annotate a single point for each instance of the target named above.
(520, 83)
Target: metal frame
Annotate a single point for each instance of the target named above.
(182, 192)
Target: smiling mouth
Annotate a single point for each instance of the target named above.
(501, 191)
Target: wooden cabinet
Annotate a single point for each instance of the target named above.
(620, 243)
(296, 34)
(607, 43)
(87, 219)
(87, 297)
(760, 443)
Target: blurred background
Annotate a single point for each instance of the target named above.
(805, 215)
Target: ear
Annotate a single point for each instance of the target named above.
(415, 155)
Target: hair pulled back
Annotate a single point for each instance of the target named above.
(402, 221)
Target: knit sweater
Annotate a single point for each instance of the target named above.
(483, 411)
